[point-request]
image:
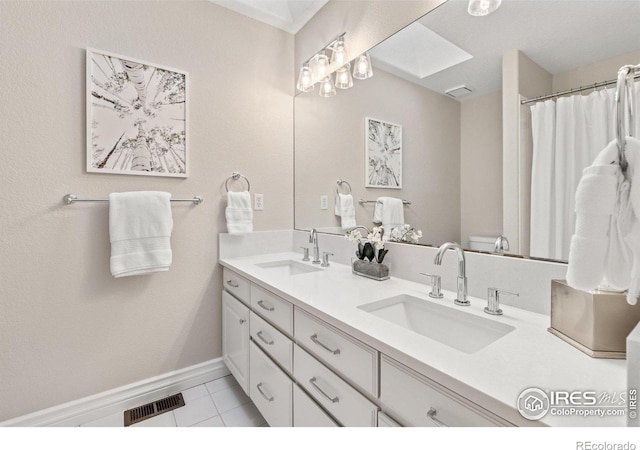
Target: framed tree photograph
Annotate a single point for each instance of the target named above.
(383, 154)
(136, 117)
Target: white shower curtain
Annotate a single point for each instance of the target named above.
(567, 136)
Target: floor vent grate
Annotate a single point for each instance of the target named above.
(153, 409)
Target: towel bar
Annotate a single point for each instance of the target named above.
(72, 198)
(362, 202)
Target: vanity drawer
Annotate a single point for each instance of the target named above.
(386, 421)
(307, 413)
(414, 400)
(270, 389)
(341, 400)
(272, 341)
(275, 310)
(350, 357)
(238, 286)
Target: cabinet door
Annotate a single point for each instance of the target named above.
(235, 339)
(271, 389)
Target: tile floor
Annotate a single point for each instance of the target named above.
(218, 403)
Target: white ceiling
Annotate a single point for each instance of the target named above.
(559, 35)
(288, 15)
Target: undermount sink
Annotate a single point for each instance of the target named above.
(288, 267)
(454, 328)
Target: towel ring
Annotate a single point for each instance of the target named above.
(340, 182)
(235, 176)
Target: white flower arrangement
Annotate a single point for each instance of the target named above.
(405, 234)
(369, 247)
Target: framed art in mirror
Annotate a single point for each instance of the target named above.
(383, 154)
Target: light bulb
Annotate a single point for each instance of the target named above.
(305, 79)
(326, 88)
(362, 68)
(343, 77)
(321, 67)
(483, 7)
(339, 57)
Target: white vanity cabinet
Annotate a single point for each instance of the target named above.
(271, 389)
(235, 339)
(414, 400)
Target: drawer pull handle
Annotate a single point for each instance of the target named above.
(259, 334)
(233, 284)
(331, 399)
(262, 305)
(242, 321)
(432, 415)
(269, 398)
(314, 338)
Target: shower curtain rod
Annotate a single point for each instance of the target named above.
(574, 90)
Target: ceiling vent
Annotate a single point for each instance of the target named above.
(458, 92)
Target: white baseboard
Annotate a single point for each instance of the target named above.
(120, 399)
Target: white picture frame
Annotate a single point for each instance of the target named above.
(383, 154)
(137, 117)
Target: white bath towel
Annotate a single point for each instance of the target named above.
(345, 210)
(632, 152)
(596, 199)
(140, 225)
(389, 212)
(239, 213)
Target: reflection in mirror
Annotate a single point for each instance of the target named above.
(467, 154)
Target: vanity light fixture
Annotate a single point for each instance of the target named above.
(362, 67)
(320, 68)
(483, 7)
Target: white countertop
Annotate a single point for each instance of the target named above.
(493, 377)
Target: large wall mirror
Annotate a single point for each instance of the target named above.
(463, 153)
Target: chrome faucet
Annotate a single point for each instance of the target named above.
(360, 226)
(461, 299)
(501, 245)
(313, 239)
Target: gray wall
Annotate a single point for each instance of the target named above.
(67, 328)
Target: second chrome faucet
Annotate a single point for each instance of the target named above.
(461, 298)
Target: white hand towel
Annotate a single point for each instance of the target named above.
(140, 225)
(392, 214)
(345, 209)
(239, 213)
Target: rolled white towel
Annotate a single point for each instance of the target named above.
(586, 262)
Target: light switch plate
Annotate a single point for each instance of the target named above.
(258, 202)
(324, 202)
